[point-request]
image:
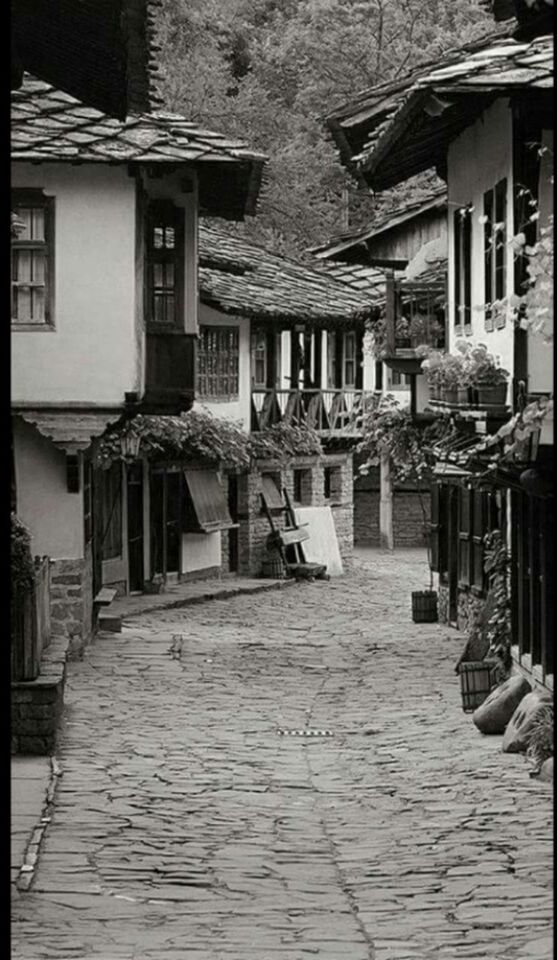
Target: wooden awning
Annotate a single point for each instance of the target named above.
(208, 500)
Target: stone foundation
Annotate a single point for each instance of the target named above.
(37, 704)
(443, 603)
(71, 600)
(469, 609)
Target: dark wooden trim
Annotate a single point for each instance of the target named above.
(33, 196)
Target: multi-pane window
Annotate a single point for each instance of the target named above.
(259, 359)
(32, 259)
(165, 256)
(218, 363)
(462, 222)
(495, 243)
(349, 360)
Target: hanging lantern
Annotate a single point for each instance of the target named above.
(475, 683)
(129, 444)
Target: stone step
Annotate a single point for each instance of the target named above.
(110, 622)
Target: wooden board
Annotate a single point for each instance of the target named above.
(322, 545)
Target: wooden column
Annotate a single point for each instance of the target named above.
(390, 312)
(386, 536)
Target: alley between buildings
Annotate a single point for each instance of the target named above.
(287, 775)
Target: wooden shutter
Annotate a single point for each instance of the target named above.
(208, 500)
(464, 531)
(272, 494)
(488, 258)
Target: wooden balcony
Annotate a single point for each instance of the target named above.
(170, 372)
(331, 412)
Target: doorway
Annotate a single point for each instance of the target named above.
(135, 527)
(166, 520)
(233, 533)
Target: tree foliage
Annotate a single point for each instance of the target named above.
(269, 70)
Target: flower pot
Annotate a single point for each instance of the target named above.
(492, 393)
(424, 606)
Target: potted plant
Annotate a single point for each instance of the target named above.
(432, 369)
(454, 375)
(486, 377)
(425, 329)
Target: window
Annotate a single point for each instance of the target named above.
(349, 360)
(400, 380)
(302, 486)
(378, 374)
(218, 365)
(32, 260)
(165, 266)
(463, 265)
(331, 359)
(111, 512)
(332, 484)
(495, 241)
(259, 359)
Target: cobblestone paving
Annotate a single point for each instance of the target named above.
(187, 827)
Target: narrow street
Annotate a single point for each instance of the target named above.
(287, 775)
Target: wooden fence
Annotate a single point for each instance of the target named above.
(31, 623)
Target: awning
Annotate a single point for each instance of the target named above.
(208, 500)
(71, 431)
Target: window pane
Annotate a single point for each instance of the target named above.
(169, 238)
(23, 265)
(158, 242)
(37, 304)
(22, 301)
(24, 214)
(38, 262)
(37, 223)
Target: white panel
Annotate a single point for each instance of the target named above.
(322, 546)
(200, 551)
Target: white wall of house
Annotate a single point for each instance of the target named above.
(478, 159)
(53, 516)
(240, 409)
(90, 355)
(540, 349)
(200, 551)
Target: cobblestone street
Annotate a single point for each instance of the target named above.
(193, 820)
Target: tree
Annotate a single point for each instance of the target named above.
(269, 70)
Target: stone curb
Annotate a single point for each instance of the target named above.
(27, 870)
(217, 594)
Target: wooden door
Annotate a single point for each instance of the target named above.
(173, 514)
(233, 534)
(452, 555)
(135, 527)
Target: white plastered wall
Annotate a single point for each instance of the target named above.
(53, 516)
(90, 355)
(540, 349)
(478, 159)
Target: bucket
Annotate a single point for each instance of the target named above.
(475, 683)
(273, 568)
(424, 606)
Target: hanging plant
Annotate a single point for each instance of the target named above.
(22, 572)
(203, 437)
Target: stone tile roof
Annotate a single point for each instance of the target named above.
(49, 125)
(352, 238)
(241, 278)
(438, 104)
(352, 122)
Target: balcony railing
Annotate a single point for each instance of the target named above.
(330, 412)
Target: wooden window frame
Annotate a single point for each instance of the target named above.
(462, 223)
(218, 363)
(259, 346)
(33, 197)
(163, 214)
(495, 252)
(346, 339)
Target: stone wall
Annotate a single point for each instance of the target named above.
(469, 609)
(71, 600)
(36, 705)
(254, 525)
(408, 519)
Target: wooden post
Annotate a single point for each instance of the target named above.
(386, 536)
(390, 318)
